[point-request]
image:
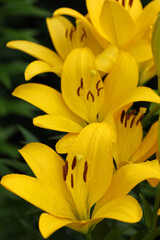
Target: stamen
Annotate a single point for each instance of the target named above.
(65, 170)
(91, 94)
(123, 3)
(99, 90)
(73, 29)
(84, 34)
(140, 119)
(72, 181)
(122, 116)
(131, 124)
(126, 119)
(80, 87)
(74, 162)
(85, 171)
(130, 3)
(66, 33)
(131, 113)
(97, 87)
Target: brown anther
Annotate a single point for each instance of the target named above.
(72, 181)
(97, 84)
(74, 162)
(84, 34)
(131, 113)
(130, 3)
(140, 119)
(73, 29)
(126, 119)
(65, 170)
(122, 116)
(80, 87)
(131, 124)
(97, 87)
(123, 3)
(85, 171)
(66, 33)
(90, 94)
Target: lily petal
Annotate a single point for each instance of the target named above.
(125, 209)
(85, 173)
(82, 86)
(122, 78)
(138, 94)
(48, 224)
(148, 15)
(127, 177)
(64, 144)
(59, 28)
(117, 24)
(77, 15)
(58, 123)
(38, 51)
(38, 67)
(46, 98)
(32, 190)
(147, 147)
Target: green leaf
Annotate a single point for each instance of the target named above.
(28, 136)
(152, 235)
(148, 214)
(115, 233)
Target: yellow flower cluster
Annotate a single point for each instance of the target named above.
(102, 59)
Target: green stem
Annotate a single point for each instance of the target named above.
(89, 236)
(146, 119)
(156, 207)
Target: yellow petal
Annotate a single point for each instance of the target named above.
(122, 78)
(38, 67)
(59, 28)
(148, 15)
(64, 144)
(135, 9)
(46, 98)
(48, 224)
(158, 213)
(38, 51)
(58, 123)
(82, 86)
(47, 166)
(140, 50)
(89, 26)
(147, 71)
(129, 135)
(92, 167)
(38, 193)
(106, 59)
(128, 176)
(116, 22)
(138, 94)
(125, 209)
(147, 147)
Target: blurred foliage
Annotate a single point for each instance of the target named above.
(25, 19)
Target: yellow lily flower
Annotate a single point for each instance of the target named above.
(85, 97)
(122, 23)
(85, 179)
(65, 37)
(131, 147)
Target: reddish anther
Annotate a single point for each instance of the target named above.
(123, 3)
(90, 94)
(65, 170)
(74, 163)
(131, 124)
(73, 29)
(72, 181)
(98, 88)
(130, 3)
(122, 116)
(84, 35)
(66, 33)
(140, 119)
(85, 171)
(80, 87)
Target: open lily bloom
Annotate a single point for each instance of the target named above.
(130, 146)
(84, 180)
(122, 23)
(65, 37)
(85, 97)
